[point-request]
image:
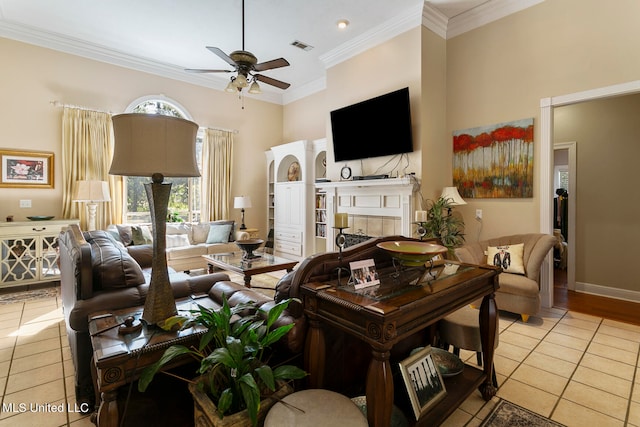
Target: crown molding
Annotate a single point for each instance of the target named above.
(97, 52)
(373, 37)
(435, 20)
(485, 14)
(305, 90)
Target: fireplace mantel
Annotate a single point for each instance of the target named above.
(389, 198)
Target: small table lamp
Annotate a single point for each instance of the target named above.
(157, 146)
(242, 202)
(92, 192)
(451, 194)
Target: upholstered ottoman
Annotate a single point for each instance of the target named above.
(322, 408)
(461, 329)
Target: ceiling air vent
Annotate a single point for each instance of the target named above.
(301, 45)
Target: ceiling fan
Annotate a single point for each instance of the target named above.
(246, 64)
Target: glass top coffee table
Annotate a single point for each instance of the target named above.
(234, 261)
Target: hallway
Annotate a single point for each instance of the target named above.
(610, 308)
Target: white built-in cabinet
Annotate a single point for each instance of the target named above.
(292, 171)
(29, 251)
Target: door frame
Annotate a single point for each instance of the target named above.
(546, 165)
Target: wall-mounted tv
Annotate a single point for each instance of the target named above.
(379, 126)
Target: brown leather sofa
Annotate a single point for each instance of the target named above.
(98, 274)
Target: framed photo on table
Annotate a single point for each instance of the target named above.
(26, 169)
(423, 381)
(364, 274)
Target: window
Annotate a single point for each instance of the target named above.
(184, 203)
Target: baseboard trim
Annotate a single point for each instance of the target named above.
(607, 291)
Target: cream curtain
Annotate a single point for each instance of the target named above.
(217, 154)
(87, 149)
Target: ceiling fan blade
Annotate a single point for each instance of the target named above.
(222, 55)
(195, 70)
(269, 65)
(271, 81)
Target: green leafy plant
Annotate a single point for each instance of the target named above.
(443, 225)
(233, 356)
(174, 217)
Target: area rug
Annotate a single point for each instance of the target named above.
(507, 414)
(23, 296)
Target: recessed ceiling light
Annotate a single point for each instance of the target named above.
(342, 24)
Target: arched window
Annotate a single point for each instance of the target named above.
(184, 203)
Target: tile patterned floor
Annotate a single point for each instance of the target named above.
(576, 369)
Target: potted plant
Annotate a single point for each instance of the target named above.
(233, 355)
(443, 225)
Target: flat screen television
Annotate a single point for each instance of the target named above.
(379, 126)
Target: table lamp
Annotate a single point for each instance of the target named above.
(451, 194)
(156, 146)
(92, 192)
(242, 202)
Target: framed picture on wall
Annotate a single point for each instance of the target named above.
(423, 381)
(33, 169)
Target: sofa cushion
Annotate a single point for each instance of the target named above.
(182, 252)
(177, 240)
(113, 267)
(179, 228)
(141, 235)
(509, 257)
(219, 233)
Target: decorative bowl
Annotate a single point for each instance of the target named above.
(40, 218)
(448, 363)
(248, 246)
(411, 253)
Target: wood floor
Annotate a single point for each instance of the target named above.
(615, 309)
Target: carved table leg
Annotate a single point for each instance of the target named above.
(488, 319)
(379, 390)
(247, 280)
(108, 412)
(314, 357)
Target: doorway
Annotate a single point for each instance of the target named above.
(547, 106)
(564, 210)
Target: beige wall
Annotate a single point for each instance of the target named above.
(390, 66)
(501, 71)
(33, 76)
(607, 200)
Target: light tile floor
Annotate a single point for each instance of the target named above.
(576, 369)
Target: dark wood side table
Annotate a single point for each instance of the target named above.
(385, 315)
(119, 359)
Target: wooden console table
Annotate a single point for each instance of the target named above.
(385, 315)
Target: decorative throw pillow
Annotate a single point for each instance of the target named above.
(509, 257)
(200, 232)
(141, 235)
(232, 230)
(126, 235)
(176, 240)
(219, 233)
(113, 267)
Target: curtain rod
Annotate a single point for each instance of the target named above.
(79, 107)
(235, 131)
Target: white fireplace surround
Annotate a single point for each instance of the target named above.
(375, 207)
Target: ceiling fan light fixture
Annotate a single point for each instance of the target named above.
(231, 87)
(255, 88)
(241, 81)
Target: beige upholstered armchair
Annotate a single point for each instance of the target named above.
(519, 290)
